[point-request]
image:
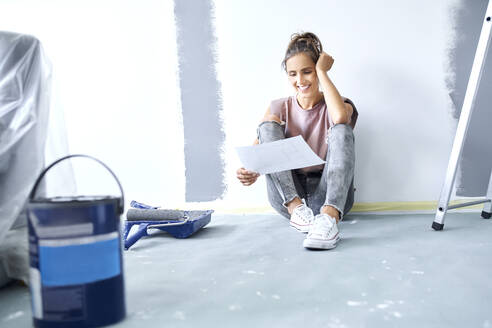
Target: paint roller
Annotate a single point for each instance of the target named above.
(157, 214)
(180, 224)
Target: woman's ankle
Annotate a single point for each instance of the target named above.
(331, 211)
(293, 204)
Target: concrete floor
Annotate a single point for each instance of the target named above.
(251, 271)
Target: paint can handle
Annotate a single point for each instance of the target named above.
(121, 204)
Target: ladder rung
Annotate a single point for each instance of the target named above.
(469, 204)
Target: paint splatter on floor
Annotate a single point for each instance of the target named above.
(144, 315)
(254, 272)
(14, 315)
(417, 272)
(356, 303)
(180, 315)
(234, 307)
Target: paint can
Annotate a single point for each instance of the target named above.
(75, 253)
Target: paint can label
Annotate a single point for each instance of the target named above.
(75, 265)
(65, 267)
(79, 260)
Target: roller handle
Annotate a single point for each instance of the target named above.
(141, 232)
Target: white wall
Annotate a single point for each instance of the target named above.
(389, 59)
(115, 67)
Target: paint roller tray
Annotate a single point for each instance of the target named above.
(178, 223)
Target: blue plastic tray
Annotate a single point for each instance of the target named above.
(191, 223)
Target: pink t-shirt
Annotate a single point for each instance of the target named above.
(312, 124)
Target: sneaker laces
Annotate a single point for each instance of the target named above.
(322, 225)
(304, 212)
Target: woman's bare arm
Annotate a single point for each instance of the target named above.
(340, 112)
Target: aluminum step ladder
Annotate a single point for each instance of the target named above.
(461, 131)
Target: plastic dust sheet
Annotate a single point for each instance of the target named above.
(25, 81)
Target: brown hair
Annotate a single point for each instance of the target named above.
(306, 42)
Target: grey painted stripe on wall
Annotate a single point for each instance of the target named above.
(476, 160)
(201, 101)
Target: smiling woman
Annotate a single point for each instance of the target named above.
(325, 120)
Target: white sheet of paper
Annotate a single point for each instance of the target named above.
(287, 154)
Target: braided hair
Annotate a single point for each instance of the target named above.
(307, 43)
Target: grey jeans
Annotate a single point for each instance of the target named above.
(333, 186)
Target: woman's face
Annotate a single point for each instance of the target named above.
(302, 75)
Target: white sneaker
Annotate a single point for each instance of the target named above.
(323, 234)
(302, 218)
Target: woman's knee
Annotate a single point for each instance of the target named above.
(341, 130)
(270, 125)
(270, 130)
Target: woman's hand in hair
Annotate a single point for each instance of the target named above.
(247, 178)
(324, 63)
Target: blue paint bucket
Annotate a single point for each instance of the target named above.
(76, 268)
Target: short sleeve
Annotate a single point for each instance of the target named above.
(278, 108)
(355, 114)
